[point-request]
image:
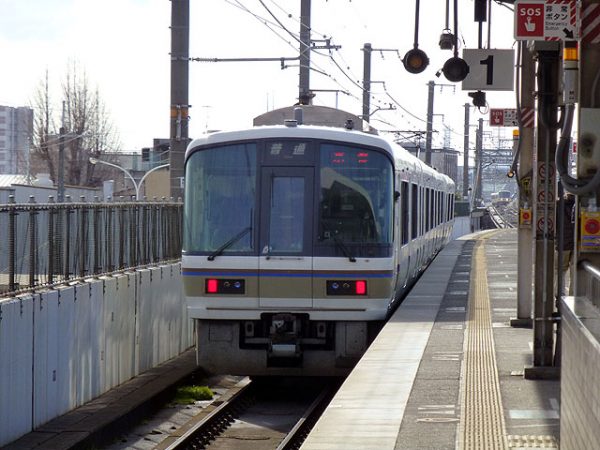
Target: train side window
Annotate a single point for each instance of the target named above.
(404, 211)
(431, 208)
(414, 211)
(440, 208)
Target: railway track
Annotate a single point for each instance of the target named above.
(505, 216)
(259, 415)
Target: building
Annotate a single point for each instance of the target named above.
(16, 129)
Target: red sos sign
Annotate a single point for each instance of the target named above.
(529, 20)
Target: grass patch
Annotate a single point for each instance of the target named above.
(187, 395)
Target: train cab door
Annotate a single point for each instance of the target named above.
(286, 237)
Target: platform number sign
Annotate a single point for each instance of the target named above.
(489, 70)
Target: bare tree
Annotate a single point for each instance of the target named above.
(87, 127)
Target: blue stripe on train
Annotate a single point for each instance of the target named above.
(289, 275)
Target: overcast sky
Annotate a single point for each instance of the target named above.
(124, 47)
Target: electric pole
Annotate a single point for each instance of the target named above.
(465, 191)
(366, 103)
(478, 192)
(524, 178)
(304, 95)
(428, 138)
(180, 41)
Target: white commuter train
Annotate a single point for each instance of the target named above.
(299, 240)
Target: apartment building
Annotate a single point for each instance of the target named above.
(16, 129)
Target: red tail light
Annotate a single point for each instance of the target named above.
(361, 287)
(212, 287)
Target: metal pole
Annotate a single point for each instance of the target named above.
(478, 158)
(60, 194)
(525, 233)
(366, 106)
(180, 37)
(304, 95)
(431, 86)
(465, 191)
(544, 215)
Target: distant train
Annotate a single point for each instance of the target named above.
(300, 239)
(501, 198)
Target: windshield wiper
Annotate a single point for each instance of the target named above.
(340, 244)
(229, 243)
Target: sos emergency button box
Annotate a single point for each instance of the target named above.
(590, 231)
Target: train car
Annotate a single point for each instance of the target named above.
(300, 239)
(501, 198)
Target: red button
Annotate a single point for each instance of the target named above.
(592, 226)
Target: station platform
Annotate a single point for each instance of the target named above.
(446, 372)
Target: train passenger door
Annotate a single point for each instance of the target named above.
(286, 238)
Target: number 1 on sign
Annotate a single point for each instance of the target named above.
(489, 63)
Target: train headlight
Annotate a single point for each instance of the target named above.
(346, 287)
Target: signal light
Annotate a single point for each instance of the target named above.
(455, 69)
(570, 51)
(415, 60)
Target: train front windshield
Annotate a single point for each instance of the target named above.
(308, 198)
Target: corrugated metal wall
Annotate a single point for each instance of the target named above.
(60, 349)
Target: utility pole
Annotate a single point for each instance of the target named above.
(525, 233)
(60, 192)
(366, 103)
(478, 192)
(428, 138)
(180, 41)
(544, 180)
(305, 95)
(465, 191)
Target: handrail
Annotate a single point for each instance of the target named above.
(590, 268)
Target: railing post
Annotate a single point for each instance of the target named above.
(97, 267)
(51, 239)
(32, 241)
(67, 235)
(83, 232)
(12, 217)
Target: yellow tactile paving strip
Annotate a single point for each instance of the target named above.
(482, 421)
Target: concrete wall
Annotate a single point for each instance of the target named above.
(580, 375)
(61, 348)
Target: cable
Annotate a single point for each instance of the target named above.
(577, 186)
(520, 55)
(279, 22)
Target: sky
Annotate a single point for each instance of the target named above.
(124, 45)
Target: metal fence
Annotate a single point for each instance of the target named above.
(50, 243)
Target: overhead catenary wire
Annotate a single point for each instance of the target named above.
(275, 24)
